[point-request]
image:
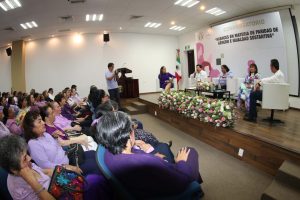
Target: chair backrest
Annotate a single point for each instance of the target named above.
(232, 85)
(193, 191)
(191, 82)
(100, 155)
(4, 193)
(275, 96)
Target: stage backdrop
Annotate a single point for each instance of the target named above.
(239, 43)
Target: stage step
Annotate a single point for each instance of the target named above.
(286, 184)
(132, 110)
(140, 106)
(289, 173)
(280, 191)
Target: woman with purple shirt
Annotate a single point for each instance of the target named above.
(47, 152)
(64, 140)
(10, 121)
(143, 175)
(165, 79)
(27, 181)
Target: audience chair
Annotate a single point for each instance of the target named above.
(4, 193)
(275, 97)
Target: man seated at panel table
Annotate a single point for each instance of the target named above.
(256, 94)
(200, 74)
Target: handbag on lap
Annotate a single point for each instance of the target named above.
(75, 154)
(66, 184)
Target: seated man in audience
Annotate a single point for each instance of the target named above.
(256, 94)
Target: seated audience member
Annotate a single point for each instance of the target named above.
(165, 79)
(32, 91)
(256, 94)
(226, 73)
(62, 122)
(46, 96)
(27, 181)
(2, 101)
(200, 74)
(10, 121)
(3, 129)
(130, 166)
(46, 151)
(31, 102)
(91, 95)
(69, 113)
(39, 100)
(48, 117)
(141, 136)
(22, 103)
(96, 99)
(248, 86)
(66, 109)
(50, 94)
(12, 103)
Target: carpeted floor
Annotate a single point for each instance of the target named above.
(225, 177)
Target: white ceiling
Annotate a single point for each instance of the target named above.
(117, 14)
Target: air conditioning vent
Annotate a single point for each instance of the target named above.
(64, 30)
(8, 29)
(135, 17)
(66, 18)
(76, 1)
(25, 37)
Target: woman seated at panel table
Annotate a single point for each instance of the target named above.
(226, 73)
(27, 181)
(165, 79)
(143, 175)
(247, 86)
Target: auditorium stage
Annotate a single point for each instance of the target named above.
(265, 146)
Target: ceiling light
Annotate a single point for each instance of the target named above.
(177, 28)
(172, 22)
(121, 28)
(178, 2)
(186, 3)
(93, 17)
(101, 17)
(215, 11)
(192, 4)
(10, 4)
(27, 25)
(202, 8)
(152, 25)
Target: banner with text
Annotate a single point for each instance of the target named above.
(256, 39)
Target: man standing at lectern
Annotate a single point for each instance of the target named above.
(111, 77)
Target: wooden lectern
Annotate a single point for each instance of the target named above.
(130, 86)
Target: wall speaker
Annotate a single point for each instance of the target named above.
(218, 61)
(106, 37)
(8, 51)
